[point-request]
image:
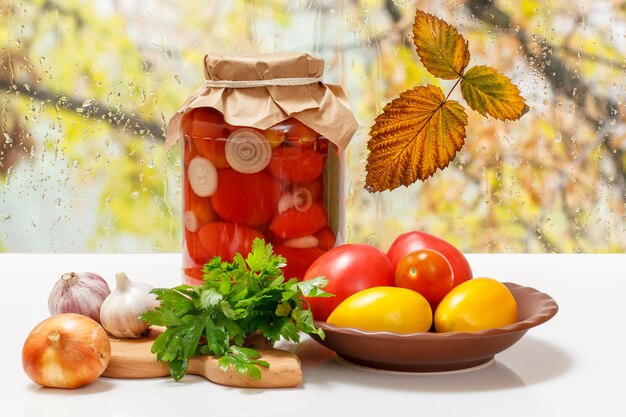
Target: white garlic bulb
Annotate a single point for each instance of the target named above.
(80, 293)
(120, 311)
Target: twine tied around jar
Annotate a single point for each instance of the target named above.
(279, 82)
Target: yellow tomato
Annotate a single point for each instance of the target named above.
(384, 309)
(477, 304)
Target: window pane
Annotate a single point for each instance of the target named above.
(87, 87)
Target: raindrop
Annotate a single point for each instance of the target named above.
(75, 164)
(9, 141)
(57, 202)
(150, 163)
(88, 102)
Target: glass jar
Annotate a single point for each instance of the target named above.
(282, 184)
(262, 158)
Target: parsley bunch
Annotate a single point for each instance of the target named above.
(236, 300)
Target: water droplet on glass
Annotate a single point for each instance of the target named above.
(88, 102)
(150, 163)
(57, 202)
(8, 138)
(75, 164)
(135, 195)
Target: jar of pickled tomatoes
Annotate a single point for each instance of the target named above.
(262, 149)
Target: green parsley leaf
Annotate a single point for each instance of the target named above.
(312, 287)
(243, 360)
(236, 300)
(209, 297)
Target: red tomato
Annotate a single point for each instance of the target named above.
(189, 152)
(296, 164)
(205, 123)
(315, 188)
(201, 126)
(198, 211)
(426, 271)
(195, 249)
(193, 276)
(326, 238)
(214, 150)
(412, 241)
(294, 131)
(249, 199)
(321, 145)
(298, 260)
(300, 134)
(185, 123)
(226, 239)
(294, 223)
(349, 269)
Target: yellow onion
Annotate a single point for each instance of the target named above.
(66, 351)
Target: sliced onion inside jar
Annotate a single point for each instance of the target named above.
(202, 176)
(191, 221)
(300, 199)
(248, 151)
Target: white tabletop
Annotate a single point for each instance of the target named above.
(573, 365)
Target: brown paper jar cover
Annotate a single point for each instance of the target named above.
(323, 107)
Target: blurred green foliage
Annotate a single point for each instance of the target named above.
(87, 87)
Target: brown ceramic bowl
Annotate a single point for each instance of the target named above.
(438, 352)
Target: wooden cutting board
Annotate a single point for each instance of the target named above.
(131, 359)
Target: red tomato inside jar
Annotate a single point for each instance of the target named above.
(281, 184)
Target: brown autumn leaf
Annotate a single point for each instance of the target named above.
(441, 48)
(488, 91)
(417, 133)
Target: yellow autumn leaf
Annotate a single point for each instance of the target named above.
(417, 133)
(487, 90)
(441, 48)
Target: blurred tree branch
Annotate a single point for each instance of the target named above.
(588, 57)
(113, 116)
(598, 111)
